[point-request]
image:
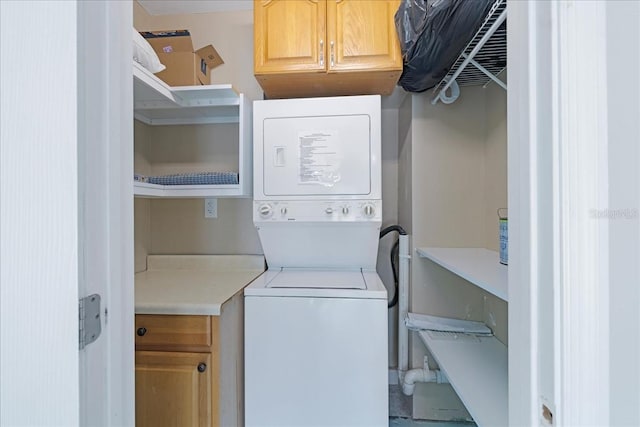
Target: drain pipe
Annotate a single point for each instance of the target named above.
(407, 377)
(424, 375)
(403, 306)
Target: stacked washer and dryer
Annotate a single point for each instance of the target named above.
(316, 320)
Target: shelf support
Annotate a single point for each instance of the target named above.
(488, 73)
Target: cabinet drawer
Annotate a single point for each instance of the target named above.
(172, 331)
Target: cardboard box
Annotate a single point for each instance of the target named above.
(184, 66)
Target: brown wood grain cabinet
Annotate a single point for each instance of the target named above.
(174, 388)
(189, 368)
(326, 47)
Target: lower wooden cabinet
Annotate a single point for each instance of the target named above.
(174, 388)
(189, 368)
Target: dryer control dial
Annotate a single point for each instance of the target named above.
(369, 210)
(265, 210)
(345, 210)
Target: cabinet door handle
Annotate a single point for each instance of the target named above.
(321, 53)
(141, 331)
(332, 56)
(202, 367)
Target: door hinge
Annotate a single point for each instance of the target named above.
(90, 323)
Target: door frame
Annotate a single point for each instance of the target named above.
(558, 175)
(106, 256)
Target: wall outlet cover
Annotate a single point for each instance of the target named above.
(211, 208)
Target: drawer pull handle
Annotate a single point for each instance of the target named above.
(141, 331)
(202, 367)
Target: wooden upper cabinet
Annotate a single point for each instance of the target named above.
(326, 47)
(363, 34)
(289, 36)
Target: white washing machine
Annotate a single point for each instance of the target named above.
(316, 320)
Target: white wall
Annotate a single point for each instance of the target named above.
(623, 38)
(453, 168)
(459, 180)
(164, 226)
(495, 158)
(178, 226)
(231, 33)
(405, 133)
(389, 217)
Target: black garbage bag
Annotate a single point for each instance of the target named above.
(432, 35)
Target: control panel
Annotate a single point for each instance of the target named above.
(318, 211)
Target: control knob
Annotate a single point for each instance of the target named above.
(265, 210)
(283, 211)
(369, 210)
(329, 210)
(345, 210)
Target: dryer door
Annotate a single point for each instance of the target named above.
(317, 156)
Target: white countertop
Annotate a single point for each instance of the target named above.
(193, 284)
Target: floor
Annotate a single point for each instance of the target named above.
(408, 422)
(400, 408)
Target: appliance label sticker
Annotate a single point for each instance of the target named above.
(320, 157)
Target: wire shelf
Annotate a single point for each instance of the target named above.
(484, 57)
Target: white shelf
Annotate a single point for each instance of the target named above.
(477, 265)
(477, 368)
(144, 189)
(156, 103)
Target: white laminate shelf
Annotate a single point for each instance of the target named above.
(477, 368)
(146, 190)
(477, 265)
(156, 103)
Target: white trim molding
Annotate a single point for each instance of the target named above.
(524, 94)
(558, 181)
(105, 129)
(582, 291)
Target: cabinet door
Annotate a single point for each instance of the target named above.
(171, 390)
(289, 35)
(363, 35)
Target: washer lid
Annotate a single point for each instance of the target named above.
(328, 279)
(315, 283)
